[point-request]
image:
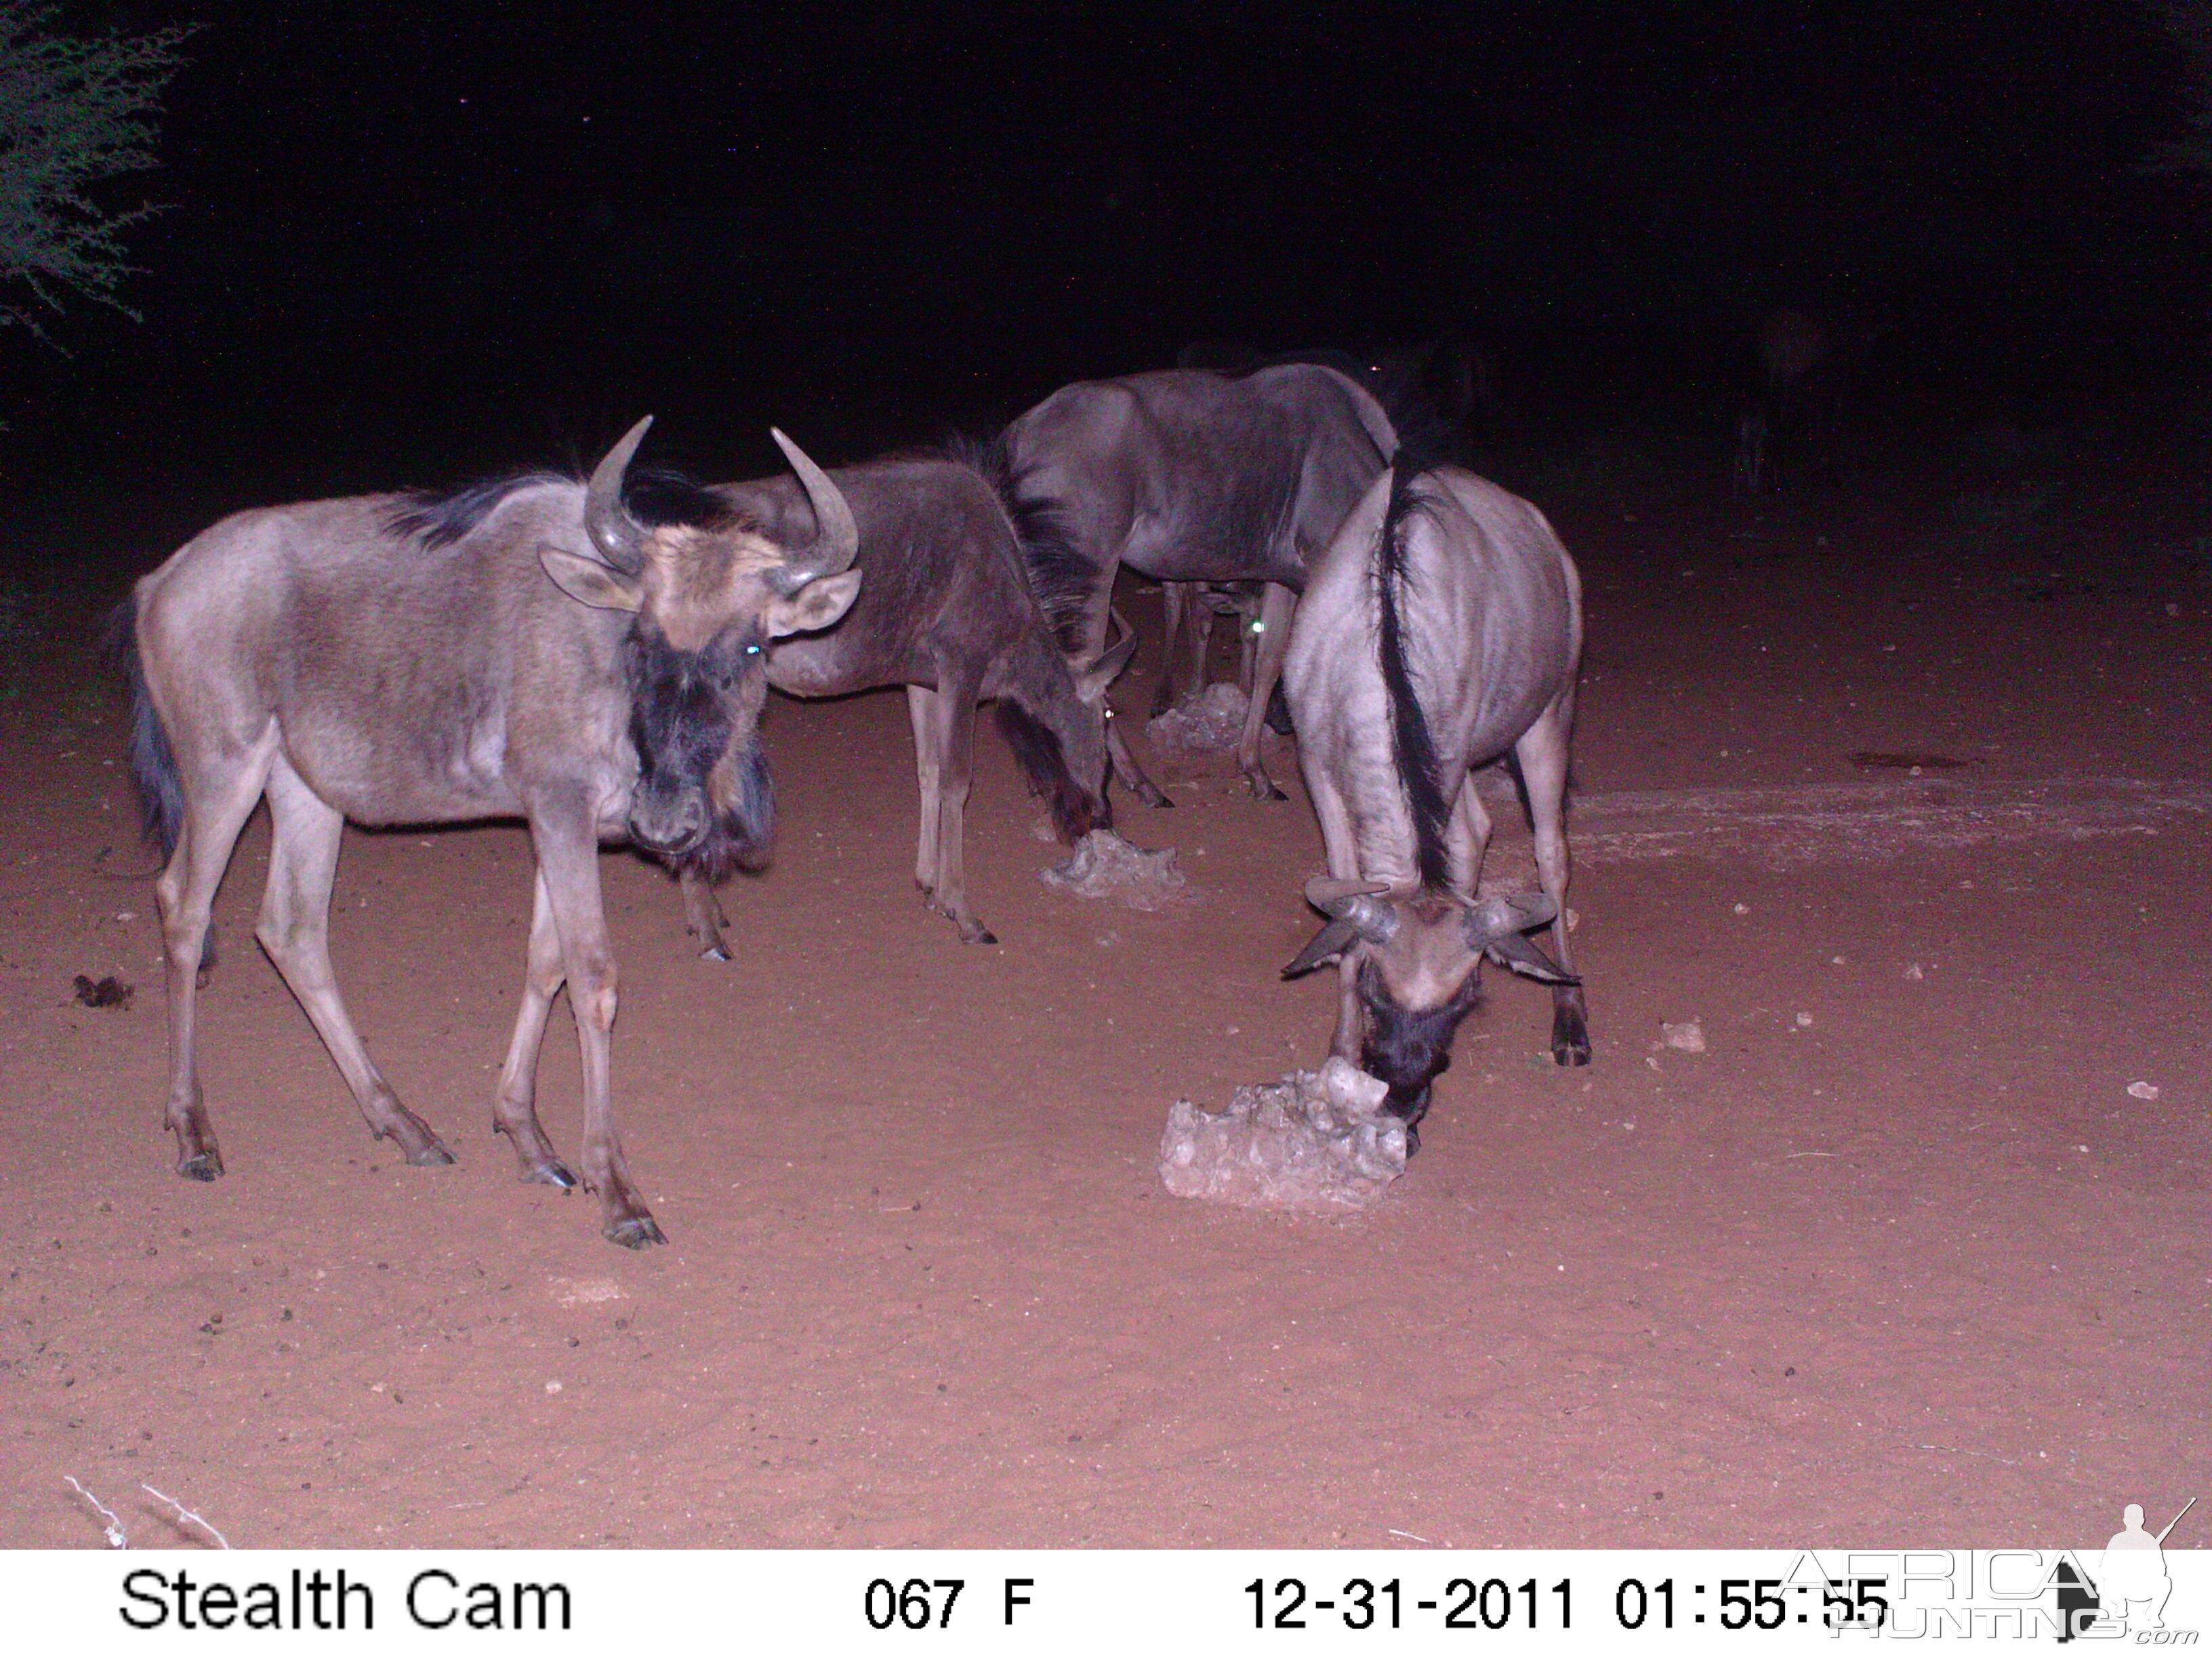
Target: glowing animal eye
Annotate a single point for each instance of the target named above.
(1259, 627)
(752, 651)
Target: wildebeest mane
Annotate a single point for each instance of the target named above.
(664, 495)
(435, 519)
(1060, 573)
(1414, 745)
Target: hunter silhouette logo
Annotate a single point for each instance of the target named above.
(2129, 1590)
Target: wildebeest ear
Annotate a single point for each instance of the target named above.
(1333, 940)
(589, 582)
(815, 605)
(1497, 928)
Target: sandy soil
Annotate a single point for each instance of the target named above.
(1900, 1256)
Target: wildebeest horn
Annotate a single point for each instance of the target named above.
(607, 522)
(1114, 656)
(1498, 927)
(1354, 901)
(1354, 911)
(837, 536)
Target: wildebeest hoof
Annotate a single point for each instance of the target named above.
(635, 1232)
(1569, 1052)
(1263, 789)
(978, 934)
(552, 1173)
(431, 1155)
(1153, 795)
(202, 1166)
(715, 952)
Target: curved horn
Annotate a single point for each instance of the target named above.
(1497, 928)
(1092, 678)
(607, 522)
(837, 536)
(1374, 919)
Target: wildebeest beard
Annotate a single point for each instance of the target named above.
(1408, 1051)
(686, 736)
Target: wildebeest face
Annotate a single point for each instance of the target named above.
(696, 662)
(702, 789)
(1408, 1048)
(1086, 742)
(1417, 959)
(706, 601)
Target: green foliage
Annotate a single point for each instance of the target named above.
(73, 113)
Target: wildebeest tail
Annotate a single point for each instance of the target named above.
(153, 764)
(1075, 811)
(1414, 745)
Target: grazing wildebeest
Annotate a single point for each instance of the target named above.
(946, 611)
(1187, 476)
(524, 648)
(1441, 628)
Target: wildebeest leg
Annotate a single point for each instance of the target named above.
(219, 796)
(702, 915)
(1275, 608)
(1178, 602)
(1189, 632)
(1542, 752)
(922, 711)
(295, 929)
(515, 1108)
(955, 740)
(1467, 839)
(1126, 770)
(1336, 836)
(565, 828)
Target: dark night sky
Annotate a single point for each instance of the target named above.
(409, 241)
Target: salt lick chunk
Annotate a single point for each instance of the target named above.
(1103, 866)
(1316, 1141)
(1210, 721)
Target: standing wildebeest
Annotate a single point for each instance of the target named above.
(1190, 476)
(1442, 627)
(1806, 363)
(946, 611)
(406, 660)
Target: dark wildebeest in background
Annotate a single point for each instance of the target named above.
(1441, 397)
(1441, 628)
(1189, 476)
(946, 610)
(1806, 362)
(416, 660)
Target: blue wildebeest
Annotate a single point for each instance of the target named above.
(946, 610)
(1441, 628)
(523, 648)
(1807, 361)
(1187, 476)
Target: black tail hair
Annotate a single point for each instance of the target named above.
(153, 764)
(1075, 810)
(1415, 748)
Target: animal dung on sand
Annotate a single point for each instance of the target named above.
(1316, 1141)
(1103, 866)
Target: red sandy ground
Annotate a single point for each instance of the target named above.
(1898, 1258)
